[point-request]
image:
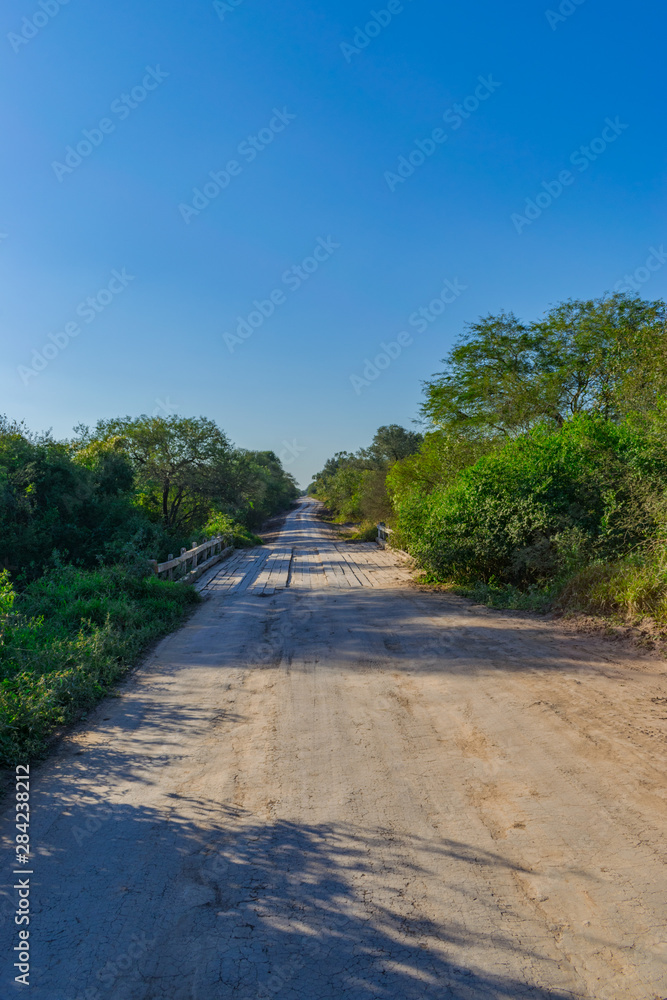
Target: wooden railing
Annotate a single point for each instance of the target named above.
(383, 540)
(191, 563)
(383, 534)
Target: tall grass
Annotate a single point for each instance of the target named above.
(66, 639)
(633, 587)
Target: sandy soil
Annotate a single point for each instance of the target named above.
(356, 790)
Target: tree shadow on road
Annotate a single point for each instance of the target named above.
(231, 906)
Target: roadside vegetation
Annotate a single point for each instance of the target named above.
(541, 477)
(354, 485)
(80, 522)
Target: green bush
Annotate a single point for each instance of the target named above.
(543, 506)
(68, 637)
(368, 532)
(239, 535)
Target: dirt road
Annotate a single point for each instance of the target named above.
(330, 785)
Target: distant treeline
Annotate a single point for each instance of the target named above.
(542, 472)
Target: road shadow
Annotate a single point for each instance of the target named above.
(231, 906)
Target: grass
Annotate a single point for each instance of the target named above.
(631, 588)
(366, 532)
(538, 599)
(65, 641)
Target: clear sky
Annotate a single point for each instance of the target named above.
(303, 111)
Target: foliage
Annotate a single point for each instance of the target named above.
(354, 487)
(367, 532)
(7, 593)
(127, 492)
(441, 457)
(511, 598)
(49, 502)
(633, 587)
(181, 465)
(265, 488)
(68, 638)
(540, 507)
(604, 356)
(390, 444)
(239, 536)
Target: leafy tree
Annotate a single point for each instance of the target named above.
(441, 457)
(354, 485)
(390, 444)
(601, 356)
(50, 502)
(265, 488)
(182, 465)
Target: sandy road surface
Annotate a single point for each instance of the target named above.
(330, 785)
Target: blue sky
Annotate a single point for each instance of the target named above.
(171, 92)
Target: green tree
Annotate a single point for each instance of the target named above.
(183, 465)
(544, 503)
(603, 356)
(265, 488)
(390, 444)
(353, 486)
(50, 502)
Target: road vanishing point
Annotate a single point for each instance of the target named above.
(332, 784)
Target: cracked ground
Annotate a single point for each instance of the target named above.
(330, 784)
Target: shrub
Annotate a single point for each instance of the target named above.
(68, 637)
(239, 535)
(539, 508)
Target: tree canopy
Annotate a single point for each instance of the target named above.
(602, 356)
(131, 488)
(353, 485)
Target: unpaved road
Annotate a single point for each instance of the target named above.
(330, 785)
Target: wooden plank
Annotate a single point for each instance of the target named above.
(377, 569)
(332, 568)
(364, 578)
(280, 571)
(251, 577)
(227, 571)
(241, 573)
(316, 576)
(272, 574)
